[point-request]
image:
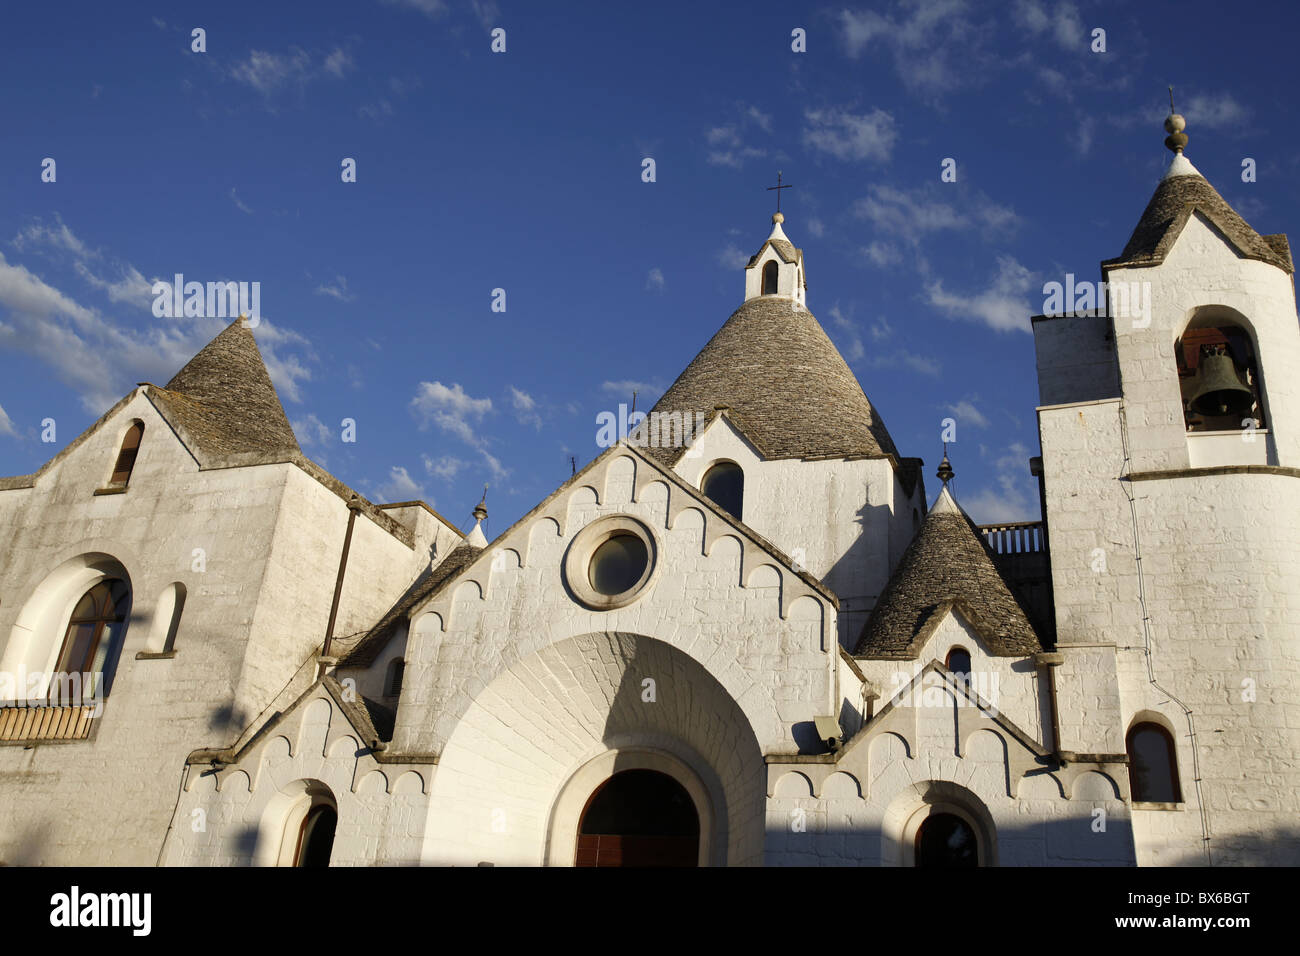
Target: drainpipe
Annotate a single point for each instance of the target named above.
(324, 660)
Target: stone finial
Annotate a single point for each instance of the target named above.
(777, 218)
(480, 509)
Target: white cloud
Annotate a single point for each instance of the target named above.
(525, 408)
(451, 409)
(400, 486)
(966, 413)
(1002, 306)
(58, 236)
(654, 280)
(239, 203)
(430, 8)
(816, 228)
(98, 357)
(268, 72)
(881, 330)
(854, 350)
(312, 431)
(759, 118)
(1011, 499)
(883, 254)
(444, 468)
(727, 148)
(338, 62)
(732, 257)
(904, 358)
(1214, 111)
(1061, 23)
(487, 12)
(339, 290)
(934, 46)
(850, 136)
(622, 390)
(132, 287)
(495, 468)
(7, 424)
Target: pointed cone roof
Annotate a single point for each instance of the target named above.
(790, 390)
(224, 406)
(1181, 192)
(946, 565)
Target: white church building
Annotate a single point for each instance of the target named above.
(748, 642)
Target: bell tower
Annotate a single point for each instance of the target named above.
(1205, 329)
(777, 268)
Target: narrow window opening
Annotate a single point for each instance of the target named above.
(769, 278)
(126, 457)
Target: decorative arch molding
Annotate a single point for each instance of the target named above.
(37, 634)
(695, 776)
(910, 808)
(283, 817)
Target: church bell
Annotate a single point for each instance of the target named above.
(1219, 389)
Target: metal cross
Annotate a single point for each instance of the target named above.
(778, 187)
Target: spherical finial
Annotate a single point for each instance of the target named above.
(777, 218)
(1176, 141)
(480, 509)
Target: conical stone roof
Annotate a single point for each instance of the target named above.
(1181, 192)
(224, 406)
(946, 565)
(789, 388)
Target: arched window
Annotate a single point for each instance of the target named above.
(91, 643)
(946, 840)
(1152, 764)
(724, 485)
(316, 836)
(126, 457)
(1218, 372)
(393, 681)
(769, 278)
(958, 661)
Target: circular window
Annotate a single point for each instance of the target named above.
(610, 562)
(618, 564)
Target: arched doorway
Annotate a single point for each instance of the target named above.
(946, 840)
(639, 818)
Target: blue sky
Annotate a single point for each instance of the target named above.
(522, 170)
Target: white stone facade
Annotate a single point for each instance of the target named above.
(726, 667)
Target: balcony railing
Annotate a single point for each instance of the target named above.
(19, 721)
(1015, 537)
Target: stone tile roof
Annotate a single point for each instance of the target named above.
(774, 366)
(367, 649)
(784, 248)
(224, 406)
(1173, 203)
(946, 565)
